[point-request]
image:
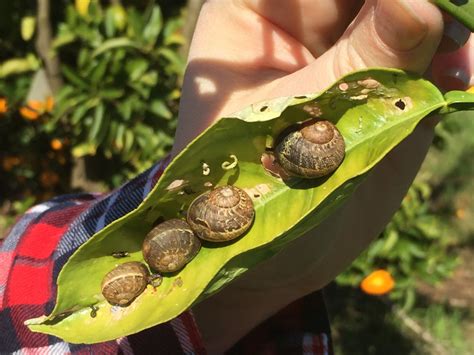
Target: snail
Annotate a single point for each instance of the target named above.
(222, 214)
(170, 245)
(125, 283)
(314, 150)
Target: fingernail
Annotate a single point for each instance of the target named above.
(454, 79)
(399, 25)
(455, 35)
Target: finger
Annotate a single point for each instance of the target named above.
(399, 34)
(303, 19)
(453, 71)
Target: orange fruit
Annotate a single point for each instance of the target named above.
(36, 105)
(379, 282)
(3, 105)
(28, 113)
(56, 144)
(32, 110)
(49, 105)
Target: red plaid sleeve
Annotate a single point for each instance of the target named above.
(34, 252)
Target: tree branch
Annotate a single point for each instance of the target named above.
(43, 46)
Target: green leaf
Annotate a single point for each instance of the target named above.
(84, 57)
(458, 101)
(99, 71)
(114, 43)
(18, 65)
(128, 143)
(97, 123)
(125, 108)
(111, 94)
(429, 226)
(159, 108)
(389, 242)
(109, 22)
(374, 110)
(150, 78)
(64, 36)
(119, 138)
(84, 149)
(74, 78)
(79, 113)
(153, 26)
(461, 10)
(136, 68)
(135, 24)
(172, 33)
(174, 58)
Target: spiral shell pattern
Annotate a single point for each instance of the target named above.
(313, 151)
(170, 246)
(125, 283)
(222, 214)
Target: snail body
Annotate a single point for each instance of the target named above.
(125, 283)
(221, 214)
(170, 245)
(313, 151)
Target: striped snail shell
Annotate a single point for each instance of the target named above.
(170, 245)
(221, 214)
(125, 283)
(314, 150)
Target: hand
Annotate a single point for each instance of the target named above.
(246, 51)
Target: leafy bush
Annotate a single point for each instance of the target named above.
(122, 72)
(118, 106)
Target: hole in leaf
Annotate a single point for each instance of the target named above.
(400, 104)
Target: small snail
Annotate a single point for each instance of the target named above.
(222, 214)
(125, 283)
(313, 151)
(170, 245)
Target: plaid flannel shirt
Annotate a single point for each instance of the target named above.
(40, 243)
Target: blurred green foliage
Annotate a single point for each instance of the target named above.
(122, 72)
(421, 242)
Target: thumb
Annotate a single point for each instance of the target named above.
(386, 33)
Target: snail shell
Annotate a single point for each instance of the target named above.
(170, 245)
(125, 283)
(222, 214)
(313, 151)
